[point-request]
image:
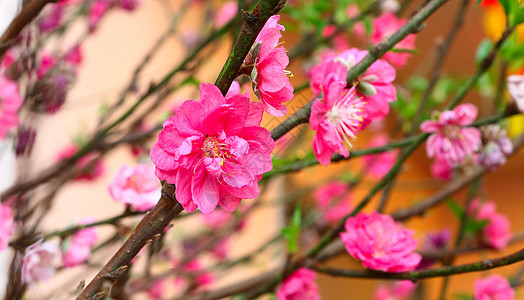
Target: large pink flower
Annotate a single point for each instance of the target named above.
(299, 286)
(383, 27)
(80, 244)
(374, 86)
(336, 118)
(451, 139)
(38, 262)
(493, 287)
(378, 165)
(380, 243)
(6, 225)
(269, 76)
(214, 150)
(10, 102)
(333, 200)
(136, 186)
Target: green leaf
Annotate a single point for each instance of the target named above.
(455, 208)
(483, 50)
(462, 296)
(291, 232)
(507, 5)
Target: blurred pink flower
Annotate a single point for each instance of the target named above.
(380, 243)
(10, 102)
(74, 56)
(52, 19)
(452, 140)
(38, 262)
(7, 225)
(497, 232)
(214, 150)
(192, 268)
(217, 218)
(378, 165)
(89, 168)
(129, 5)
(399, 290)
(80, 244)
(515, 85)
(493, 287)
(374, 86)
(97, 10)
(227, 11)
(333, 200)
(433, 241)
(136, 186)
(299, 286)
(270, 79)
(496, 146)
(336, 118)
(441, 169)
(340, 42)
(383, 27)
(156, 290)
(47, 62)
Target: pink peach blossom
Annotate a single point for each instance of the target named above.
(269, 77)
(227, 11)
(378, 165)
(333, 201)
(299, 286)
(496, 146)
(336, 117)
(497, 232)
(38, 262)
(79, 248)
(214, 150)
(515, 84)
(10, 102)
(136, 186)
(383, 27)
(374, 86)
(452, 140)
(6, 225)
(380, 243)
(399, 290)
(493, 287)
(441, 169)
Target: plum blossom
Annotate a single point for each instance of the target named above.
(88, 167)
(497, 231)
(10, 102)
(6, 225)
(515, 85)
(383, 27)
(336, 118)
(441, 169)
(493, 287)
(227, 11)
(266, 63)
(214, 150)
(399, 290)
(38, 262)
(452, 140)
(80, 244)
(333, 200)
(136, 186)
(378, 165)
(380, 243)
(496, 146)
(374, 86)
(299, 286)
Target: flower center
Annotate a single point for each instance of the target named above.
(346, 116)
(213, 148)
(452, 132)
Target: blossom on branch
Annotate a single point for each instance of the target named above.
(380, 243)
(214, 150)
(136, 186)
(493, 287)
(496, 146)
(80, 244)
(383, 27)
(333, 201)
(452, 140)
(337, 117)
(266, 64)
(10, 102)
(299, 286)
(38, 263)
(497, 231)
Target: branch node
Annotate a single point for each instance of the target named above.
(113, 276)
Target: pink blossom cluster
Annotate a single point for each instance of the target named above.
(136, 186)
(333, 201)
(266, 64)
(38, 263)
(214, 150)
(383, 27)
(399, 290)
(299, 286)
(497, 231)
(380, 243)
(452, 139)
(374, 86)
(493, 287)
(79, 245)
